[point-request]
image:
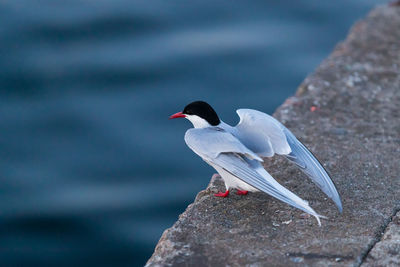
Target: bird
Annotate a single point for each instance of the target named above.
(237, 153)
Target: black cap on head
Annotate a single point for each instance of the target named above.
(203, 110)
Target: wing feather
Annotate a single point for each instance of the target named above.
(310, 165)
(252, 173)
(261, 133)
(265, 135)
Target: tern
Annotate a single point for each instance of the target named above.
(237, 153)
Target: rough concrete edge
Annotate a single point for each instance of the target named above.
(385, 241)
(164, 242)
(302, 90)
(380, 232)
(378, 237)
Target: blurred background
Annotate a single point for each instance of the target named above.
(91, 169)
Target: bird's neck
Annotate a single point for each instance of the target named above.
(199, 122)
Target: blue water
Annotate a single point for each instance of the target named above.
(91, 169)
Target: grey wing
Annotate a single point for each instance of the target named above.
(261, 133)
(309, 164)
(252, 173)
(264, 135)
(208, 143)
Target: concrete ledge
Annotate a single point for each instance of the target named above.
(355, 131)
(387, 251)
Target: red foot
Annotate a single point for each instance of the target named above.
(220, 194)
(242, 192)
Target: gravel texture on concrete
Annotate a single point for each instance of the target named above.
(387, 251)
(354, 129)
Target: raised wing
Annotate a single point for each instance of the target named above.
(261, 133)
(306, 161)
(220, 148)
(264, 135)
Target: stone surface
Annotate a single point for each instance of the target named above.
(387, 251)
(354, 130)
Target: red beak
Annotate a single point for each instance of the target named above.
(177, 115)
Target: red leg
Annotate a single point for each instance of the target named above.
(242, 192)
(220, 194)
